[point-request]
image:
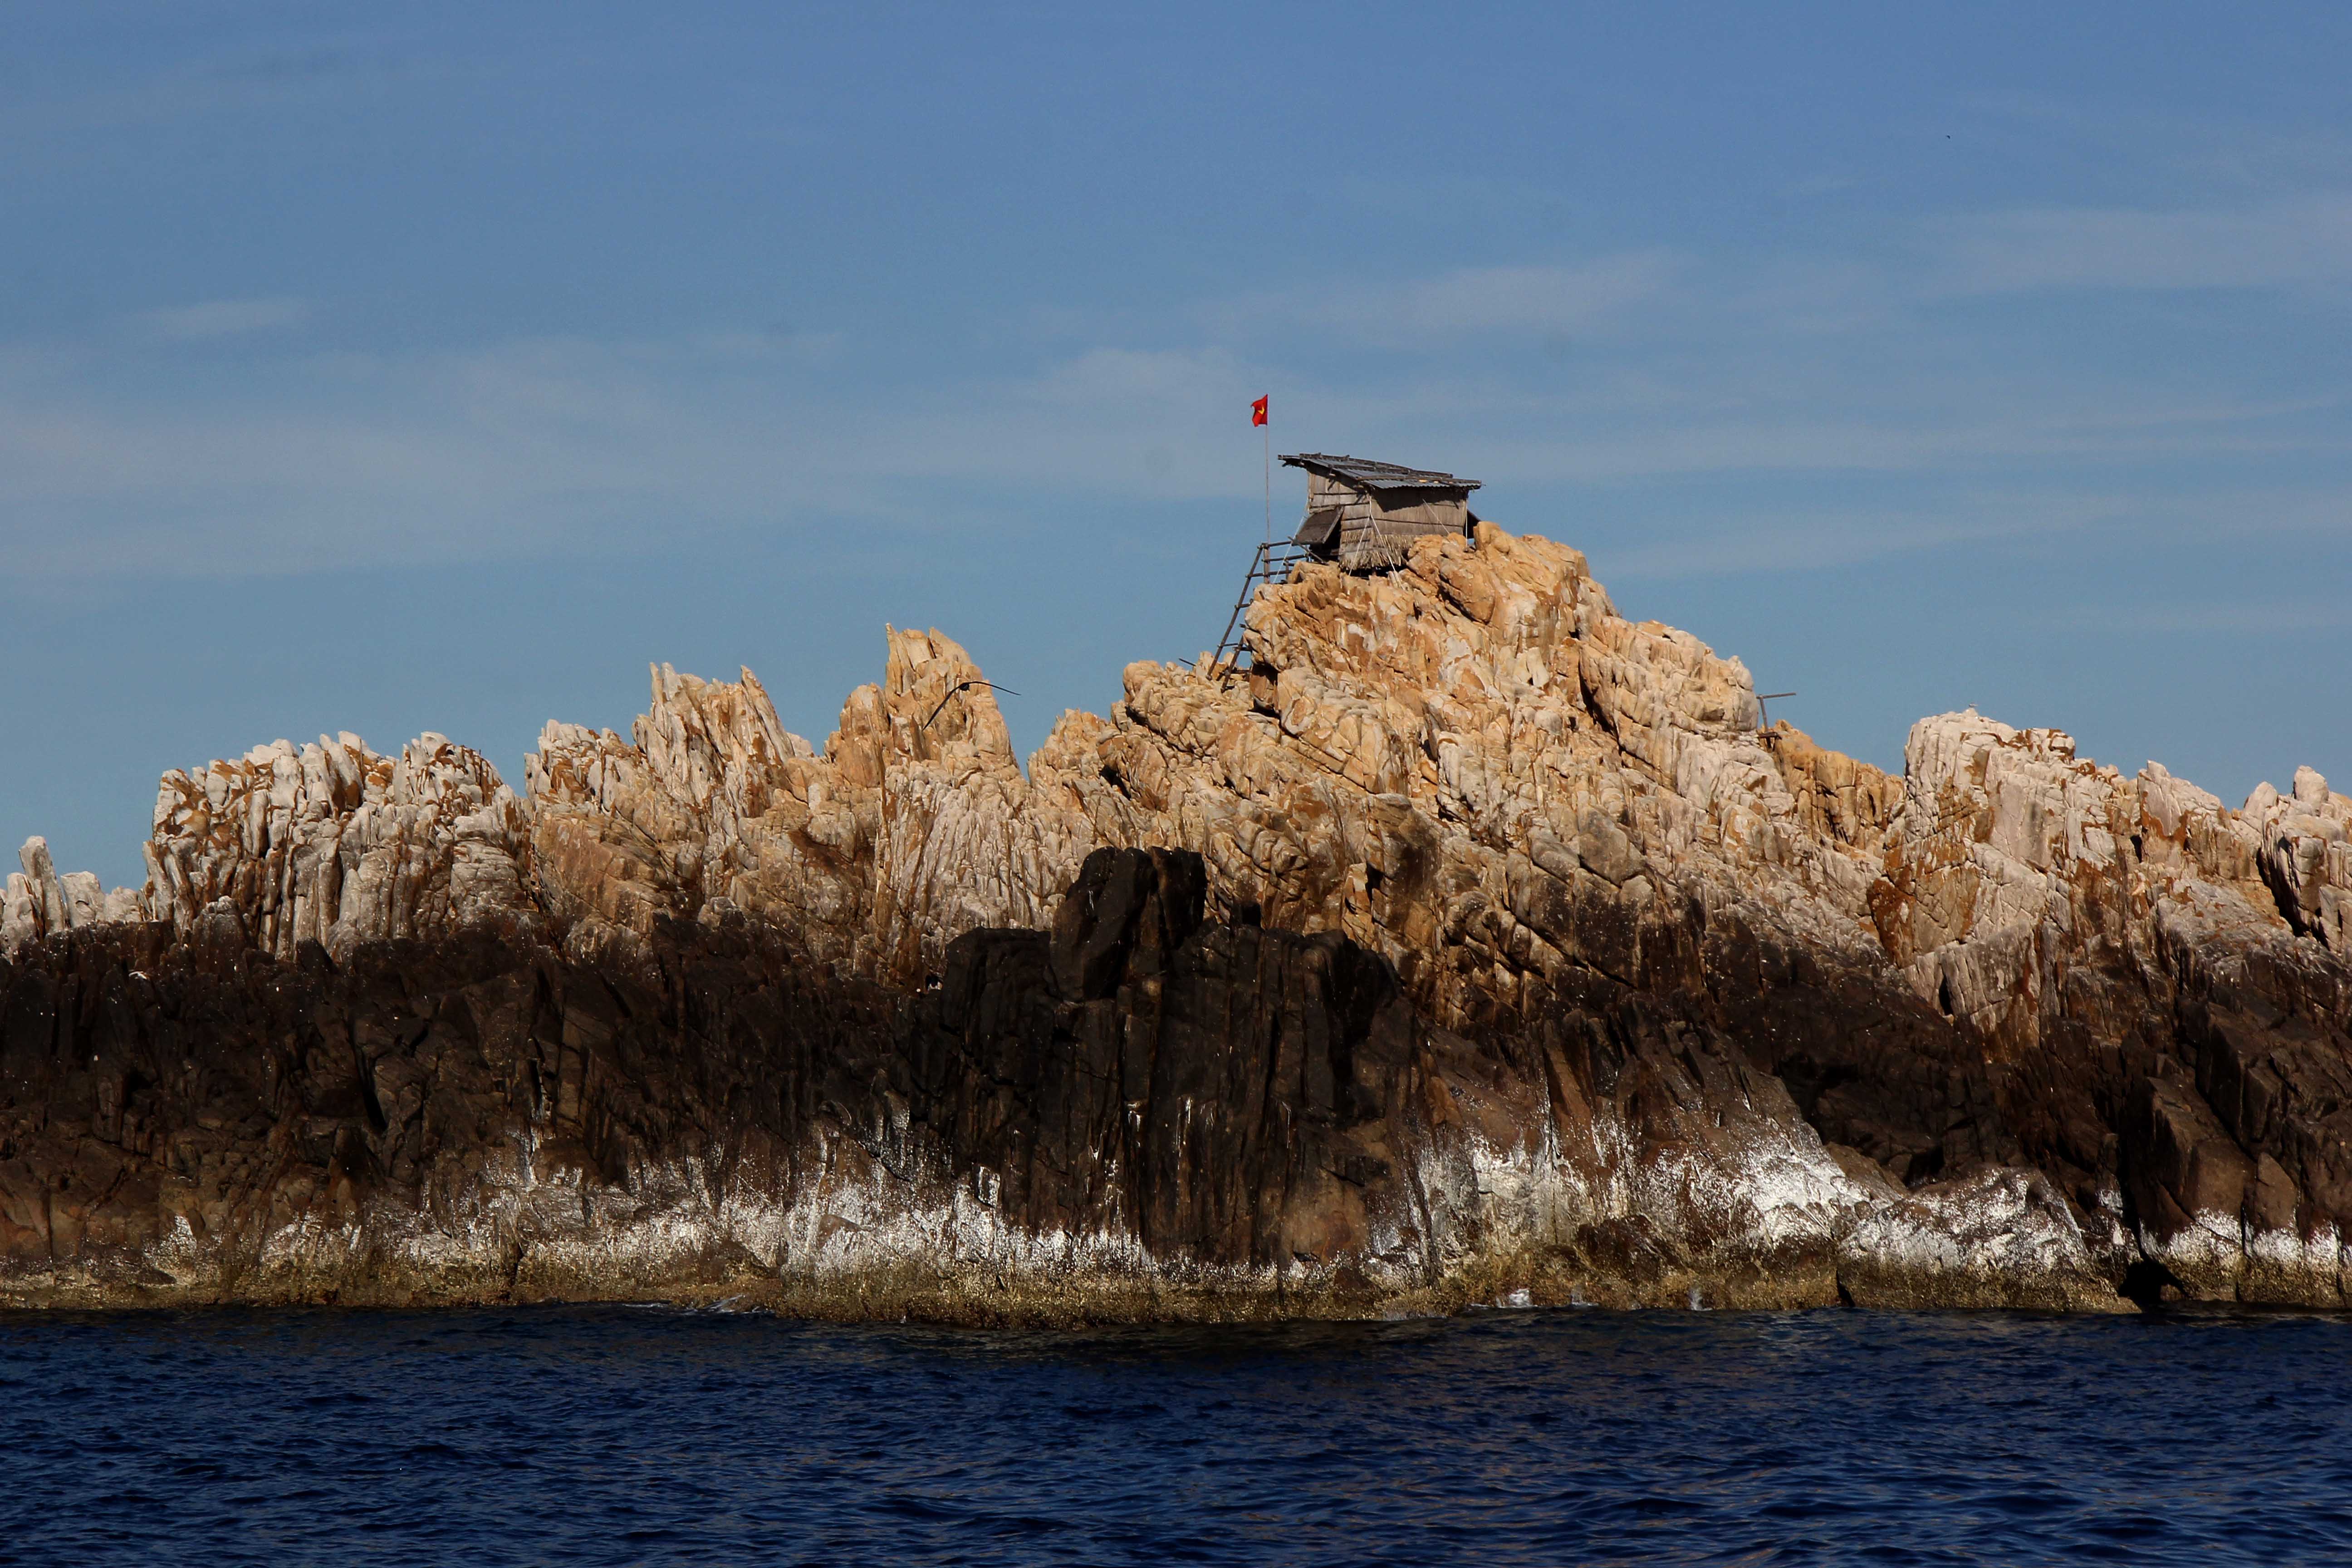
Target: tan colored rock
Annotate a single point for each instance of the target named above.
(20, 912)
(1443, 761)
(2010, 858)
(913, 827)
(37, 901)
(1475, 766)
(2304, 856)
(1695, 948)
(337, 844)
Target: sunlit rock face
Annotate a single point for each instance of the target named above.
(335, 844)
(913, 826)
(37, 901)
(1466, 942)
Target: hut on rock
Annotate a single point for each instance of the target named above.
(1362, 514)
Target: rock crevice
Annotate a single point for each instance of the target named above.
(1468, 937)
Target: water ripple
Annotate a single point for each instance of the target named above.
(625, 1435)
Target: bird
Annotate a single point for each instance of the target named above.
(963, 686)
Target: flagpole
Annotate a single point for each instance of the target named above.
(1269, 427)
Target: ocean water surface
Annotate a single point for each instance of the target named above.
(613, 1435)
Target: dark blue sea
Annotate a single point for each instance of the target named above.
(614, 1435)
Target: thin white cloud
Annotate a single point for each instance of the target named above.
(317, 461)
(223, 319)
(2273, 617)
(575, 446)
(1839, 537)
(1533, 300)
(1527, 299)
(2305, 240)
(1788, 369)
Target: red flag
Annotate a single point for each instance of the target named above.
(1257, 411)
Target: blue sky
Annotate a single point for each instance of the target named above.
(440, 366)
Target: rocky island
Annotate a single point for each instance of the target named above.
(1467, 943)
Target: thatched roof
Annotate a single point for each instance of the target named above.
(1366, 474)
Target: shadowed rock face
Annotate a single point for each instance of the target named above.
(1140, 1112)
(1471, 939)
(1135, 1108)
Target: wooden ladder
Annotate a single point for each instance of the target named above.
(1272, 563)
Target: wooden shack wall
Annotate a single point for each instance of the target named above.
(1378, 538)
(1373, 535)
(1413, 515)
(1356, 507)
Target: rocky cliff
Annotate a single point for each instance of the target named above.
(1468, 942)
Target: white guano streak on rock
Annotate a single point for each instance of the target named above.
(1427, 761)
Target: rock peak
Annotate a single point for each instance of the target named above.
(1701, 957)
